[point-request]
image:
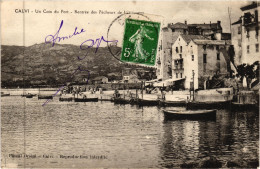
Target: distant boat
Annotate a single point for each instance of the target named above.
(86, 99)
(28, 95)
(4, 94)
(45, 97)
(190, 114)
(68, 99)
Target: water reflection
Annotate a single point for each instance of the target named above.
(130, 136)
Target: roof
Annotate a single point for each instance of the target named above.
(237, 22)
(99, 78)
(209, 42)
(251, 6)
(178, 25)
(205, 26)
(188, 38)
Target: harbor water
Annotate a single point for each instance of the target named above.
(101, 134)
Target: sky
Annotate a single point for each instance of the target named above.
(31, 28)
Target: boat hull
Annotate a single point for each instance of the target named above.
(172, 103)
(208, 105)
(86, 99)
(121, 101)
(3, 95)
(142, 102)
(29, 96)
(69, 99)
(44, 97)
(178, 115)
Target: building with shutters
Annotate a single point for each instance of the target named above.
(245, 34)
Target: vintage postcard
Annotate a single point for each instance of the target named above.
(130, 84)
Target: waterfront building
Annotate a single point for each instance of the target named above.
(196, 59)
(100, 79)
(171, 33)
(245, 35)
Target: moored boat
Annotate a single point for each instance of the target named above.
(118, 100)
(45, 97)
(164, 103)
(190, 114)
(145, 102)
(4, 94)
(95, 99)
(68, 99)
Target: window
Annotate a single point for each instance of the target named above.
(181, 56)
(181, 75)
(204, 58)
(218, 56)
(204, 47)
(177, 50)
(248, 48)
(257, 47)
(217, 47)
(192, 57)
(239, 30)
(176, 75)
(181, 49)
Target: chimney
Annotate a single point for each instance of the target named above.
(185, 22)
(219, 25)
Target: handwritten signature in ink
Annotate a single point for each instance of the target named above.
(84, 46)
(55, 38)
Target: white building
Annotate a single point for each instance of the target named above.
(245, 34)
(197, 57)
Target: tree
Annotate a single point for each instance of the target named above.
(249, 71)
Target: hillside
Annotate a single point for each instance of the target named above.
(43, 64)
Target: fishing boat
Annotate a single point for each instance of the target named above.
(95, 99)
(190, 114)
(146, 102)
(4, 94)
(29, 95)
(45, 97)
(164, 103)
(118, 100)
(68, 99)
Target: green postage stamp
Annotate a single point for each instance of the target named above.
(140, 41)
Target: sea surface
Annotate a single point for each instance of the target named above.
(101, 134)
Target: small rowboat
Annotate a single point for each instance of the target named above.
(86, 99)
(190, 114)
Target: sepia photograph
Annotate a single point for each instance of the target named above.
(130, 84)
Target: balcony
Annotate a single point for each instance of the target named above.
(178, 67)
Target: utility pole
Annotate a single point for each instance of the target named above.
(193, 74)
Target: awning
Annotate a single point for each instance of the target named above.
(152, 81)
(167, 82)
